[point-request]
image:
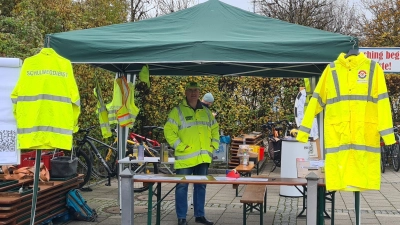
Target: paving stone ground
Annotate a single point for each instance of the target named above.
(222, 207)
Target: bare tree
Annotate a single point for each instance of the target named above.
(163, 7)
(140, 9)
(330, 15)
(383, 26)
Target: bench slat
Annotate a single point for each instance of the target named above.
(253, 194)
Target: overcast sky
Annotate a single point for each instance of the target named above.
(248, 4)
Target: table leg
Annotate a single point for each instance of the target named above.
(257, 167)
(357, 206)
(150, 204)
(303, 193)
(159, 200)
(321, 205)
(261, 214)
(158, 194)
(333, 208)
(244, 213)
(265, 201)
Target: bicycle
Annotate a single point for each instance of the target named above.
(390, 153)
(150, 142)
(85, 150)
(273, 141)
(153, 146)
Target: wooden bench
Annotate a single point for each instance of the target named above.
(244, 171)
(254, 197)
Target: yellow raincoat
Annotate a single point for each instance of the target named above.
(46, 102)
(357, 112)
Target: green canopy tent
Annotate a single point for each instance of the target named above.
(209, 39)
(212, 38)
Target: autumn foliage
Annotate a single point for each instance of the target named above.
(243, 103)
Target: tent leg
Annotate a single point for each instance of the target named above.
(35, 185)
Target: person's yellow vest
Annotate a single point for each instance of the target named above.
(352, 92)
(197, 130)
(102, 113)
(122, 109)
(46, 102)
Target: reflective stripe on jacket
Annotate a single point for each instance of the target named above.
(122, 109)
(353, 93)
(46, 102)
(102, 113)
(195, 129)
(308, 92)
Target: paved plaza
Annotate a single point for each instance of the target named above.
(222, 207)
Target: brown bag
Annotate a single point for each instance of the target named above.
(13, 173)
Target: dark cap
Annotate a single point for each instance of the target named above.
(192, 85)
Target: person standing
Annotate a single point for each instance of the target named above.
(207, 101)
(193, 132)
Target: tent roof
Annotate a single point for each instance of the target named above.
(212, 38)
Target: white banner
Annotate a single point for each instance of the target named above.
(388, 58)
(9, 74)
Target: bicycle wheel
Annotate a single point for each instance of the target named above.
(383, 159)
(110, 157)
(395, 156)
(84, 164)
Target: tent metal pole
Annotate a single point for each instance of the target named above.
(122, 137)
(35, 185)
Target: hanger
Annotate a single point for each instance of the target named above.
(352, 51)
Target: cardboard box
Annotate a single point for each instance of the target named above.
(257, 149)
(304, 167)
(313, 148)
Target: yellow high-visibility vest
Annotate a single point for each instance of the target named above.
(352, 92)
(46, 102)
(102, 113)
(144, 75)
(122, 109)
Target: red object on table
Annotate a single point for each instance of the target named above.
(233, 174)
(28, 158)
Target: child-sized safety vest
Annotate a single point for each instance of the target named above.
(122, 109)
(102, 113)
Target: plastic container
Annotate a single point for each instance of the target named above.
(64, 166)
(141, 152)
(164, 153)
(244, 159)
(135, 152)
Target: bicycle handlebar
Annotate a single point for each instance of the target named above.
(286, 122)
(153, 128)
(269, 125)
(87, 130)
